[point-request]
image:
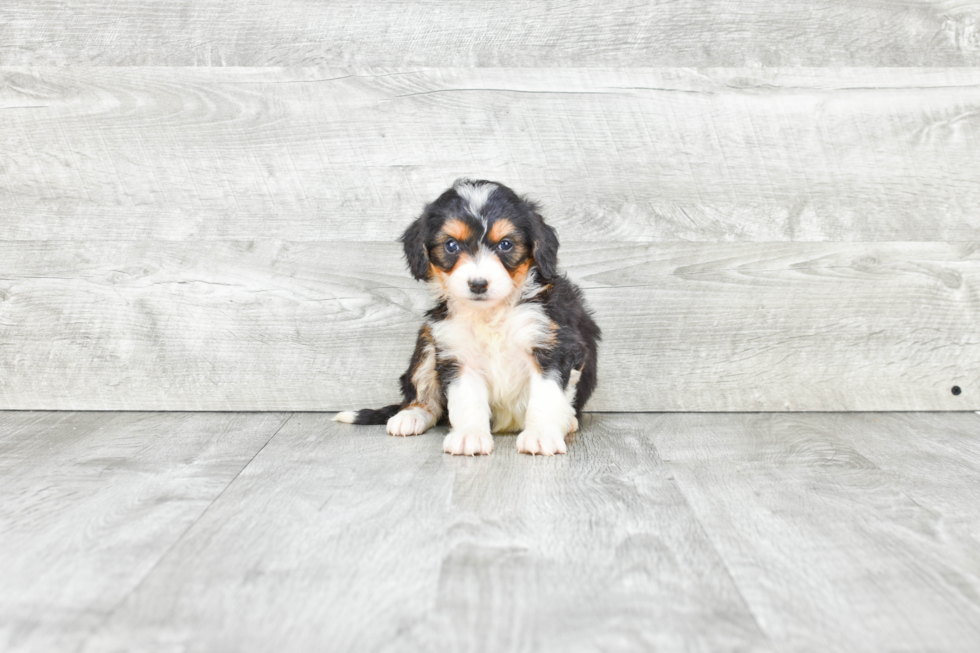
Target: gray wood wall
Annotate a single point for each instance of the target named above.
(771, 206)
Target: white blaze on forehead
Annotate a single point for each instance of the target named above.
(476, 195)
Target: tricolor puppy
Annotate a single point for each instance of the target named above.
(509, 345)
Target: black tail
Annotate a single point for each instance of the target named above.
(368, 415)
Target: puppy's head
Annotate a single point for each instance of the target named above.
(479, 241)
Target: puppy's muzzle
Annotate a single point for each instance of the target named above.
(478, 286)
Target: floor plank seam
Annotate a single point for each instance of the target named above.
(714, 549)
(109, 614)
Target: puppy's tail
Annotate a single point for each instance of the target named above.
(368, 415)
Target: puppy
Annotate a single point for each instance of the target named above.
(510, 345)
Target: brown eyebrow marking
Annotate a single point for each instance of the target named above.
(458, 229)
(500, 229)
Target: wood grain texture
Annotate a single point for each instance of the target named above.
(490, 33)
(693, 532)
(935, 458)
(346, 538)
(332, 538)
(90, 502)
(272, 325)
(613, 154)
(831, 552)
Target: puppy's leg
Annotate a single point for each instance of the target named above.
(412, 420)
(549, 417)
(469, 414)
(420, 386)
(570, 389)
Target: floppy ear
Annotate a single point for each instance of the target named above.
(415, 252)
(545, 249)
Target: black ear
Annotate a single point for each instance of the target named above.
(415, 253)
(545, 249)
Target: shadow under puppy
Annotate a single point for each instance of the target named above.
(510, 345)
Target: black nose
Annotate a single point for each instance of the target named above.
(478, 286)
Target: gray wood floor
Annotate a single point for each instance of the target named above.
(287, 532)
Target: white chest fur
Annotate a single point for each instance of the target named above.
(498, 345)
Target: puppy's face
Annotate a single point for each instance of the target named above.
(478, 241)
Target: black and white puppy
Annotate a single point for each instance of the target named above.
(510, 345)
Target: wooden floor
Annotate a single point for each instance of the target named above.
(667, 532)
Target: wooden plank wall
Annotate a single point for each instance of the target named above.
(770, 207)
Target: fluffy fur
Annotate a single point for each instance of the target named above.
(510, 345)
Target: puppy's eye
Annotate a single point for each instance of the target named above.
(505, 245)
(452, 246)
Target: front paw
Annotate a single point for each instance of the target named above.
(541, 443)
(468, 443)
(411, 421)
